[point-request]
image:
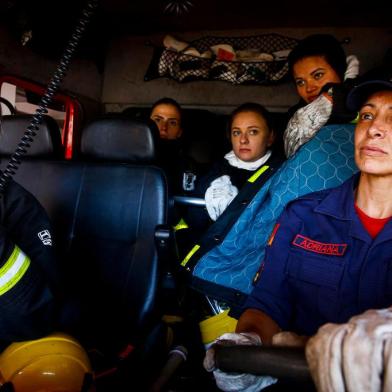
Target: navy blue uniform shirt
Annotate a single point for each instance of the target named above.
(322, 265)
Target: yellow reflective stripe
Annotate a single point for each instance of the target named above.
(13, 270)
(181, 225)
(190, 254)
(356, 119)
(259, 172)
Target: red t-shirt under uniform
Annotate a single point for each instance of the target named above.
(372, 225)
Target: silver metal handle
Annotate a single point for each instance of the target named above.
(190, 201)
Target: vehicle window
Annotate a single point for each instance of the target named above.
(26, 102)
(25, 97)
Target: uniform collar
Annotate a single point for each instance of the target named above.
(343, 196)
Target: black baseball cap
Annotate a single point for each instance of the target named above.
(371, 83)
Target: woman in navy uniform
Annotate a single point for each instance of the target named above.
(329, 259)
(329, 255)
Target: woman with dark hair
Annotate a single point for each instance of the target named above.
(181, 170)
(327, 52)
(323, 76)
(167, 115)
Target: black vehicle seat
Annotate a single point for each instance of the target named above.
(205, 137)
(104, 216)
(47, 142)
(131, 143)
(119, 139)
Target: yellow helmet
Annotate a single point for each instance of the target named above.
(56, 363)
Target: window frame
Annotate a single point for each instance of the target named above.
(72, 107)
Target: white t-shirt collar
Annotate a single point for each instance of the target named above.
(237, 162)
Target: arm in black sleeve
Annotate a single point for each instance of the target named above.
(27, 306)
(29, 271)
(28, 226)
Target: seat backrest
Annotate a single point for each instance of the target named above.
(47, 142)
(119, 139)
(104, 216)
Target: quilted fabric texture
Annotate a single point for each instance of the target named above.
(325, 161)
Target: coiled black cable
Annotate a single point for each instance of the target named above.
(51, 90)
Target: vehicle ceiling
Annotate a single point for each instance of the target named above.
(51, 21)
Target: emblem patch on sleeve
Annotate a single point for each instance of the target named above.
(45, 237)
(188, 181)
(319, 247)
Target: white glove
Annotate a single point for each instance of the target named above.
(237, 382)
(305, 123)
(219, 195)
(353, 357)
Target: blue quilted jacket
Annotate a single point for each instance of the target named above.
(325, 161)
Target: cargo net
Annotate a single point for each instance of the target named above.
(258, 59)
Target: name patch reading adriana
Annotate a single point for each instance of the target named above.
(319, 247)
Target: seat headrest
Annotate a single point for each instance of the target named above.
(47, 142)
(137, 113)
(120, 139)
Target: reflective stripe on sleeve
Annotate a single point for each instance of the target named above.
(13, 270)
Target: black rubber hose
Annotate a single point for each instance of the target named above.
(177, 356)
(281, 362)
(47, 98)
